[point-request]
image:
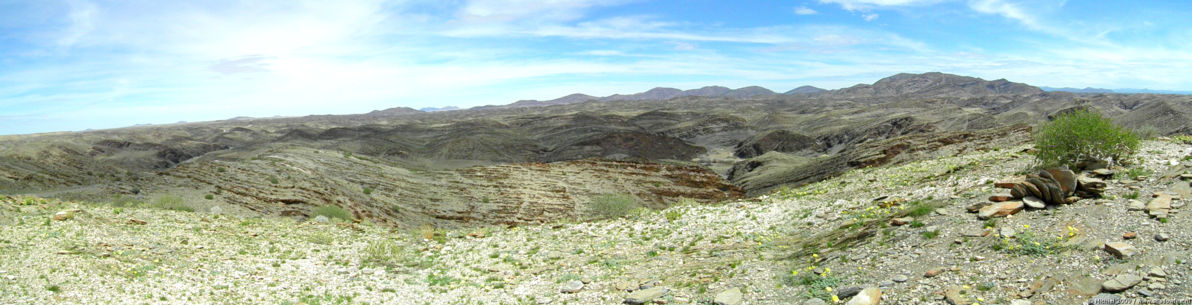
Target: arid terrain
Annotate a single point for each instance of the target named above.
(748, 197)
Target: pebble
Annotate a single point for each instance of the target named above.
(933, 272)
(1129, 235)
(899, 278)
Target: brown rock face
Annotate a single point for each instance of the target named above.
(515, 193)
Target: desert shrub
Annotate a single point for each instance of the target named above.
(171, 202)
(386, 253)
(1083, 135)
(1147, 132)
(367, 190)
(613, 206)
(331, 211)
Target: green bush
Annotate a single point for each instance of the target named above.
(332, 212)
(1083, 135)
(613, 206)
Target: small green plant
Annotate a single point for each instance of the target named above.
(1133, 173)
(1131, 195)
(367, 191)
(818, 286)
(613, 206)
(1083, 135)
(930, 234)
(209, 197)
(333, 212)
(171, 202)
(918, 209)
(273, 180)
(991, 223)
(220, 170)
(673, 214)
(1026, 243)
(319, 237)
(917, 224)
(54, 288)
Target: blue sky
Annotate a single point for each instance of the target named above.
(78, 64)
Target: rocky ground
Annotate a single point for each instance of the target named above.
(902, 233)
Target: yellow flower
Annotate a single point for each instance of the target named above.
(965, 287)
(1026, 226)
(980, 299)
(815, 255)
(794, 272)
(835, 299)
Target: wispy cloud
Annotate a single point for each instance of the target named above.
(803, 10)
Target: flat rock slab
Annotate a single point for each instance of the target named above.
(1000, 209)
(646, 295)
(1120, 249)
(731, 296)
(1121, 282)
(1159, 206)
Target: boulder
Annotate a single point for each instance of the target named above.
(868, 296)
(1065, 178)
(901, 221)
(1000, 209)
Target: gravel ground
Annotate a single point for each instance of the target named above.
(781, 248)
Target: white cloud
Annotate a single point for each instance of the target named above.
(803, 10)
(869, 17)
(864, 5)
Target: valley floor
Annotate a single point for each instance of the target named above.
(788, 247)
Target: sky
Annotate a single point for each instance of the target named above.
(78, 64)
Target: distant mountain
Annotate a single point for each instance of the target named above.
(433, 109)
(1076, 90)
(935, 84)
(656, 94)
(748, 92)
(393, 111)
(805, 90)
(1129, 90)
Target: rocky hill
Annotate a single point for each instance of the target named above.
(419, 167)
(921, 232)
